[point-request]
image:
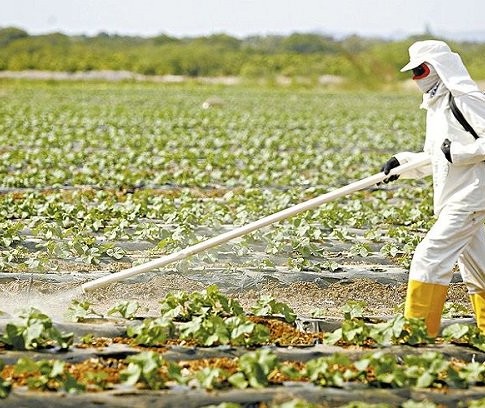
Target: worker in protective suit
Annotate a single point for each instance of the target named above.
(458, 169)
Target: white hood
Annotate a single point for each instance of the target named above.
(448, 64)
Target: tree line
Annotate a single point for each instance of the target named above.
(370, 61)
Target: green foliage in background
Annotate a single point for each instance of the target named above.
(364, 61)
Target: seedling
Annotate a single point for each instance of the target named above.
(36, 332)
(152, 332)
(47, 375)
(268, 306)
(144, 368)
(126, 309)
(255, 369)
(79, 311)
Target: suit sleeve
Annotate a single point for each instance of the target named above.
(420, 172)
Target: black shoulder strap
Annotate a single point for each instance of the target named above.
(460, 118)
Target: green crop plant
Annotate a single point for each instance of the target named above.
(398, 330)
(183, 306)
(210, 378)
(360, 249)
(11, 233)
(82, 190)
(214, 330)
(144, 368)
(126, 309)
(262, 368)
(473, 404)
(36, 331)
(327, 371)
(47, 375)
(80, 310)
(255, 369)
(269, 306)
(152, 332)
(465, 333)
(451, 310)
(427, 369)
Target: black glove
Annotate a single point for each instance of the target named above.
(388, 166)
(446, 149)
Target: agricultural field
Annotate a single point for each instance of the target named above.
(99, 177)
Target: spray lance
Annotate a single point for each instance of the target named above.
(253, 226)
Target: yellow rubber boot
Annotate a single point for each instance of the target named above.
(478, 304)
(426, 300)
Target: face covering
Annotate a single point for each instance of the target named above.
(426, 77)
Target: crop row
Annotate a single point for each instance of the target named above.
(254, 369)
(209, 318)
(155, 136)
(88, 169)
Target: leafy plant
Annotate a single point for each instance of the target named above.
(112, 251)
(465, 333)
(206, 331)
(244, 332)
(209, 320)
(126, 309)
(10, 233)
(451, 310)
(353, 330)
(255, 369)
(385, 369)
(97, 380)
(354, 309)
(210, 378)
(399, 330)
(425, 369)
(360, 249)
(183, 306)
(47, 375)
(269, 306)
(464, 375)
(328, 372)
(176, 306)
(79, 311)
(144, 368)
(213, 329)
(152, 332)
(475, 404)
(37, 331)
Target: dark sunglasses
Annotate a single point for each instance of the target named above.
(420, 71)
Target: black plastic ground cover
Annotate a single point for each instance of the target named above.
(190, 398)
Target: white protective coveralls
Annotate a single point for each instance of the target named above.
(459, 189)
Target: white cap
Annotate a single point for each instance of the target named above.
(425, 51)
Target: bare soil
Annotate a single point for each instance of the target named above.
(304, 297)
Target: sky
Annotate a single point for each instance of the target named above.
(242, 18)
